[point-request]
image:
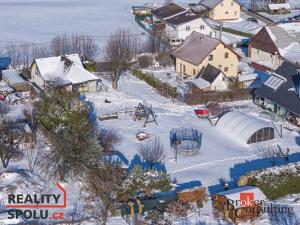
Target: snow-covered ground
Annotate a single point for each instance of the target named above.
(219, 154)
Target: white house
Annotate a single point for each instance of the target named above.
(180, 26)
(210, 79)
(66, 71)
(215, 77)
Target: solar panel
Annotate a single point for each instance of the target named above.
(275, 82)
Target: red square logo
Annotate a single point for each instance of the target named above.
(247, 199)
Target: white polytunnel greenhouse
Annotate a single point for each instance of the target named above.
(244, 128)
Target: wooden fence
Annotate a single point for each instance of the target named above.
(217, 96)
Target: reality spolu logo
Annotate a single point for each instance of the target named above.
(37, 206)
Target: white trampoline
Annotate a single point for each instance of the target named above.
(244, 128)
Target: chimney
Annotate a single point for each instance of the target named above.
(221, 31)
(189, 11)
(296, 81)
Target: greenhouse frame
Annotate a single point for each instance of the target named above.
(244, 128)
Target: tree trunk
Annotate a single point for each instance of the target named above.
(114, 84)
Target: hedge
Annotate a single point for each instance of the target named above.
(90, 66)
(237, 32)
(163, 87)
(277, 184)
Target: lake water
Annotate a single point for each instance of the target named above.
(41, 20)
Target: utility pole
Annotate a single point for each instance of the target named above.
(221, 30)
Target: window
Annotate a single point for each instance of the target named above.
(226, 12)
(180, 68)
(187, 28)
(184, 69)
(226, 55)
(194, 72)
(257, 50)
(222, 4)
(202, 27)
(226, 69)
(220, 67)
(210, 34)
(232, 4)
(210, 57)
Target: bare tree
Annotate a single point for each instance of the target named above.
(11, 141)
(33, 152)
(88, 47)
(118, 53)
(25, 53)
(109, 139)
(14, 52)
(40, 52)
(154, 42)
(152, 151)
(81, 44)
(271, 152)
(101, 189)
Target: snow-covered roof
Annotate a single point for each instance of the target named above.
(291, 53)
(12, 77)
(279, 6)
(234, 194)
(286, 37)
(67, 68)
(290, 27)
(248, 77)
(240, 126)
(199, 82)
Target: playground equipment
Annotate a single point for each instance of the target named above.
(185, 140)
(146, 112)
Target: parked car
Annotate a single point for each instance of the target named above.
(252, 19)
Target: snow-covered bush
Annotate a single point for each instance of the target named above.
(277, 181)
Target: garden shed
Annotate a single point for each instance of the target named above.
(244, 128)
(14, 80)
(240, 204)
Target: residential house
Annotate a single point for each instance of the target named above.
(240, 204)
(221, 9)
(182, 25)
(159, 15)
(167, 11)
(210, 79)
(14, 80)
(141, 10)
(280, 93)
(273, 44)
(198, 51)
(279, 8)
(66, 72)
